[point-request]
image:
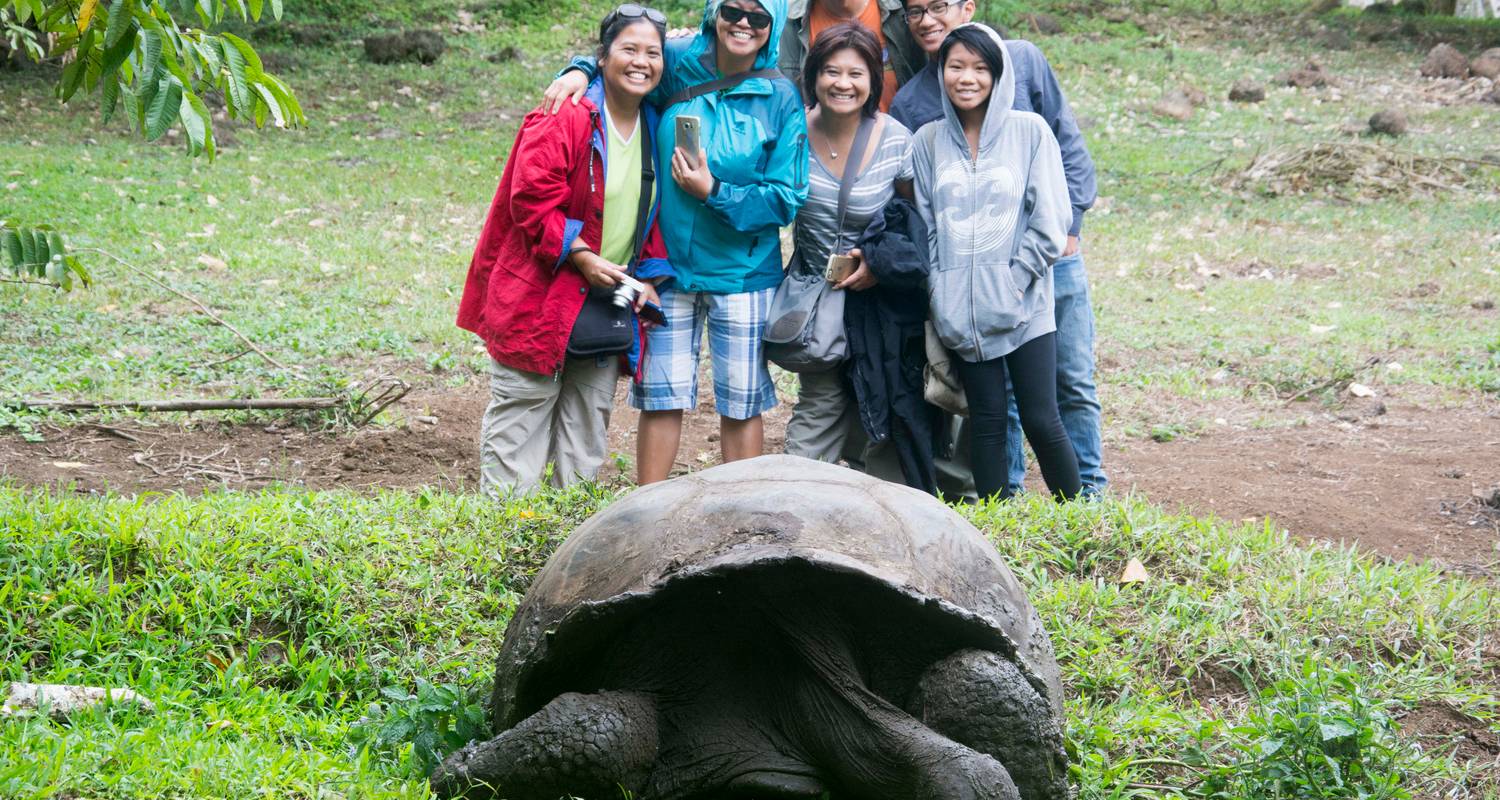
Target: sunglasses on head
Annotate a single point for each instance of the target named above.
(758, 20)
(632, 11)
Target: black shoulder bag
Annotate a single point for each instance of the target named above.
(604, 328)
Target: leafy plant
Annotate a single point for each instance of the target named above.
(1316, 737)
(39, 256)
(137, 56)
(437, 720)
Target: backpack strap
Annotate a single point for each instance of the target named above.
(727, 82)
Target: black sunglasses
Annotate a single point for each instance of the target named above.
(759, 21)
(632, 11)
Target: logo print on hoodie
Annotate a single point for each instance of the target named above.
(979, 210)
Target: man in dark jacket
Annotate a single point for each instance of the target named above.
(920, 101)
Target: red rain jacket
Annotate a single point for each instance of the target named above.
(522, 297)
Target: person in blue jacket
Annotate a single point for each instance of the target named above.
(721, 219)
(919, 102)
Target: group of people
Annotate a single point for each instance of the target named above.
(960, 215)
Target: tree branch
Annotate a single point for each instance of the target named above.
(191, 299)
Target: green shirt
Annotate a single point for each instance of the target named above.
(622, 193)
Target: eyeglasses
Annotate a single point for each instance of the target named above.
(631, 11)
(732, 15)
(936, 9)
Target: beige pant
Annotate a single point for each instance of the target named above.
(825, 422)
(534, 420)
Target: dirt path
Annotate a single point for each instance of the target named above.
(1402, 483)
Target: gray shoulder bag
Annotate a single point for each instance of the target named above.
(805, 329)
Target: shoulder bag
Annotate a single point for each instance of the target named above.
(805, 328)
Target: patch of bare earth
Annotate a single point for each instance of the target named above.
(1439, 728)
(1401, 479)
(1406, 483)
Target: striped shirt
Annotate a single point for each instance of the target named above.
(818, 231)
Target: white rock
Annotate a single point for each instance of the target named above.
(62, 699)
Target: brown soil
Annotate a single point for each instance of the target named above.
(1439, 729)
(1404, 482)
(1398, 478)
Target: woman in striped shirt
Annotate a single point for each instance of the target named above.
(841, 81)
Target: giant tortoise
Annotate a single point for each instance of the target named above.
(772, 628)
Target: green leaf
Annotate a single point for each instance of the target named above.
(151, 42)
(110, 97)
(194, 125)
(28, 249)
(238, 89)
(13, 247)
(119, 22)
(55, 245)
(255, 9)
(254, 67)
(273, 104)
(76, 267)
(72, 78)
(115, 54)
(132, 106)
(164, 107)
(276, 8)
(208, 126)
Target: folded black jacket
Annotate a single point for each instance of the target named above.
(885, 327)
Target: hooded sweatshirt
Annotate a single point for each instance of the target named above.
(995, 224)
(756, 139)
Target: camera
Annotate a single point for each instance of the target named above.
(627, 291)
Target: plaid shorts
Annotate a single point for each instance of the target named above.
(736, 323)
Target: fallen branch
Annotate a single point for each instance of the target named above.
(217, 404)
(191, 299)
(1334, 381)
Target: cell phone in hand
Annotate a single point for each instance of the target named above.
(688, 138)
(839, 268)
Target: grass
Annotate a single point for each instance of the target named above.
(264, 626)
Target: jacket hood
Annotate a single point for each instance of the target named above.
(778, 11)
(1002, 95)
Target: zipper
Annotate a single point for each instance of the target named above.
(973, 165)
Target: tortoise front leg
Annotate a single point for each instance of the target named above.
(585, 745)
(983, 701)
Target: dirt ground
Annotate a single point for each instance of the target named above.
(1402, 479)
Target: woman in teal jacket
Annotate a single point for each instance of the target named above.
(721, 219)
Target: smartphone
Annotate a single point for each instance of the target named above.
(688, 139)
(839, 268)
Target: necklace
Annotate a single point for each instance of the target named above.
(832, 152)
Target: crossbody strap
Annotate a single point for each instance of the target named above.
(648, 182)
(851, 173)
(727, 82)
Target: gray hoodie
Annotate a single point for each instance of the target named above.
(995, 224)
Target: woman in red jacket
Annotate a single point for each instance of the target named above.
(573, 223)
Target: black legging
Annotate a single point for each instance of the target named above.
(1033, 373)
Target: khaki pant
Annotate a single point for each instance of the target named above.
(534, 420)
(825, 422)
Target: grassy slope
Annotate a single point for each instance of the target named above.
(286, 613)
(345, 243)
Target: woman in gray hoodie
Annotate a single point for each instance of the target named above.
(989, 184)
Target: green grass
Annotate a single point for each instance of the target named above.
(264, 626)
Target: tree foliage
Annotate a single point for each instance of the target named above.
(145, 64)
(39, 256)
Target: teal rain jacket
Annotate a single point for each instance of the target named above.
(756, 139)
